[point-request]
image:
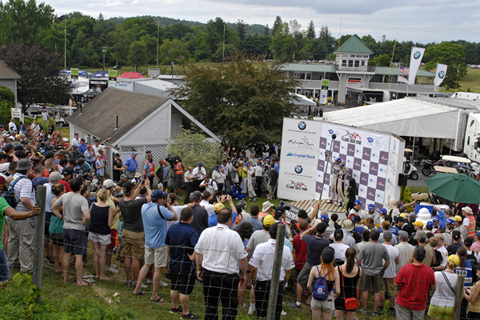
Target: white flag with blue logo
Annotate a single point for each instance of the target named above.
(415, 60)
(440, 74)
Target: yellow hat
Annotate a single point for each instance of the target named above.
(268, 221)
(457, 218)
(418, 223)
(403, 215)
(454, 258)
(217, 207)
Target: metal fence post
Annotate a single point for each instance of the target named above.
(38, 237)
(277, 263)
(458, 296)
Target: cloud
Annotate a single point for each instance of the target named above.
(419, 21)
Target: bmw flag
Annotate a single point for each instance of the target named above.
(440, 74)
(415, 60)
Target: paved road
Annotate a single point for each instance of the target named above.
(421, 179)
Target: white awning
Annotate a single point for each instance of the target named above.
(301, 100)
(403, 117)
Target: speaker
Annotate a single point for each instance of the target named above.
(402, 180)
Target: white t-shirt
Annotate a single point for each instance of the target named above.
(443, 295)
(207, 206)
(340, 250)
(210, 186)
(391, 271)
(263, 257)
(178, 211)
(12, 127)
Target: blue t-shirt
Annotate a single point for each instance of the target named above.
(154, 225)
(132, 164)
(213, 220)
(441, 216)
(82, 148)
(256, 224)
(182, 238)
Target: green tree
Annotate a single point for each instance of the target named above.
(40, 82)
(192, 147)
(283, 44)
(7, 102)
(137, 54)
(453, 56)
(382, 60)
(241, 29)
(175, 51)
(243, 101)
(311, 31)
(22, 22)
(327, 39)
(276, 25)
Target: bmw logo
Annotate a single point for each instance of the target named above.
(298, 169)
(416, 55)
(441, 74)
(369, 139)
(302, 125)
(330, 131)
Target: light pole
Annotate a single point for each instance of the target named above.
(172, 63)
(104, 50)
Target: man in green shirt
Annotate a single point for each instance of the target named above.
(6, 210)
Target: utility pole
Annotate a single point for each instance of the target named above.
(158, 37)
(65, 48)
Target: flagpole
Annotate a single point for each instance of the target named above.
(391, 63)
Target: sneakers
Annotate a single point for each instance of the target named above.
(251, 309)
(294, 305)
(88, 280)
(163, 284)
(111, 269)
(363, 311)
(175, 310)
(283, 313)
(189, 316)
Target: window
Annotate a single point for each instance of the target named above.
(299, 76)
(350, 63)
(309, 76)
(357, 63)
(344, 63)
(363, 63)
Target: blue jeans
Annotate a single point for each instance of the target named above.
(4, 271)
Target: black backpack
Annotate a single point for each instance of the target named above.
(9, 195)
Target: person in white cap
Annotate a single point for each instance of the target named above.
(469, 221)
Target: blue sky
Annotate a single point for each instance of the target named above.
(420, 21)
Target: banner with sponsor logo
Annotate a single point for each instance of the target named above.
(440, 74)
(299, 157)
(373, 159)
(415, 60)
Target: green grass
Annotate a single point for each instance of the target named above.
(471, 81)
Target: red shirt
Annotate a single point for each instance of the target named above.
(300, 252)
(67, 186)
(414, 282)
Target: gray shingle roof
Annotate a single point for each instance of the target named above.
(394, 72)
(98, 117)
(298, 67)
(6, 72)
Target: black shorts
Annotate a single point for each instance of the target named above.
(73, 241)
(182, 282)
(57, 239)
(48, 217)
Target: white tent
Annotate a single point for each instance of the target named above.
(404, 117)
(301, 100)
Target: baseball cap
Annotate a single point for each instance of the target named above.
(338, 160)
(357, 202)
(418, 223)
(199, 164)
(324, 217)
(457, 218)
(134, 153)
(450, 221)
(279, 212)
(435, 219)
(217, 207)
(128, 186)
(467, 210)
(403, 215)
(371, 206)
(441, 225)
(268, 221)
(66, 171)
(109, 183)
(383, 211)
(159, 194)
(55, 176)
(400, 219)
(430, 224)
(456, 234)
(453, 258)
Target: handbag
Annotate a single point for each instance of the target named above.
(350, 303)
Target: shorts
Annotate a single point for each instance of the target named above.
(133, 244)
(73, 241)
(388, 287)
(326, 306)
(4, 271)
(113, 238)
(403, 313)
(177, 182)
(375, 281)
(48, 217)
(302, 278)
(103, 239)
(57, 239)
(437, 312)
(182, 282)
(157, 256)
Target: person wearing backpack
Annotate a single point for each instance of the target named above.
(324, 284)
(443, 299)
(21, 232)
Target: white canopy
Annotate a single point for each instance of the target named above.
(301, 100)
(403, 117)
